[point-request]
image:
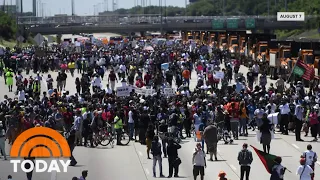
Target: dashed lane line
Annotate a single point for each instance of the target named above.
(295, 146)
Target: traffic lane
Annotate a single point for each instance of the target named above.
(301, 146)
(290, 157)
(120, 162)
(213, 167)
(186, 167)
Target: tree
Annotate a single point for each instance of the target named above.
(7, 26)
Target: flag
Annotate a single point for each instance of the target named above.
(302, 70)
(268, 160)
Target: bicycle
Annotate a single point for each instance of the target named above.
(106, 136)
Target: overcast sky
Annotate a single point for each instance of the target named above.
(86, 7)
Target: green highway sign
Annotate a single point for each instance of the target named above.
(232, 23)
(217, 24)
(250, 23)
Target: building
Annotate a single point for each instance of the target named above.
(9, 9)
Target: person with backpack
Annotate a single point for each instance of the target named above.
(310, 157)
(277, 171)
(245, 159)
(156, 153)
(304, 170)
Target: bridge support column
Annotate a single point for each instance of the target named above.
(142, 33)
(59, 36)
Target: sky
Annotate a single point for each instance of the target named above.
(86, 7)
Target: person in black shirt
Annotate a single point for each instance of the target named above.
(173, 159)
(156, 153)
(149, 137)
(71, 137)
(250, 78)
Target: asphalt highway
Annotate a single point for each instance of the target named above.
(130, 162)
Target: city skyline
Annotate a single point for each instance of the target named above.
(84, 7)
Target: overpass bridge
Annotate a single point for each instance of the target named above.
(141, 23)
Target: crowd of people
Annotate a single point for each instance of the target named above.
(215, 105)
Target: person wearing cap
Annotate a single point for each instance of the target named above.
(304, 170)
(245, 159)
(222, 175)
(84, 175)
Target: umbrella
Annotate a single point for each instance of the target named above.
(148, 48)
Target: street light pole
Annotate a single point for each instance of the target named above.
(161, 17)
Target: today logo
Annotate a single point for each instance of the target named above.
(40, 142)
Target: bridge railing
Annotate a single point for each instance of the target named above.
(133, 19)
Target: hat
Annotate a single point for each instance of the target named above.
(222, 173)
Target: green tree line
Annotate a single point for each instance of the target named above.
(7, 26)
(233, 8)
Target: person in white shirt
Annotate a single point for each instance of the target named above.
(284, 117)
(108, 90)
(256, 70)
(273, 107)
(305, 171)
(96, 83)
(21, 96)
(310, 156)
(131, 122)
(199, 162)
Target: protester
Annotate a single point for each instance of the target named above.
(266, 136)
(173, 158)
(304, 171)
(245, 159)
(84, 175)
(310, 157)
(199, 162)
(156, 154)
(211, 139)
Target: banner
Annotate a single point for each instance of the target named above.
(123, 91)
(168, 92)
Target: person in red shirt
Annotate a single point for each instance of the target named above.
(110, 116)
(112, 79)
(147, 78)
(234, 114)
(139, 83)
(68, 119)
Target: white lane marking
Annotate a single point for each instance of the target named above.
(294, 145)
(233, 167)
(53, 175)
(318, 162)
(140, 153)
(147, 171)
(218, 150)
